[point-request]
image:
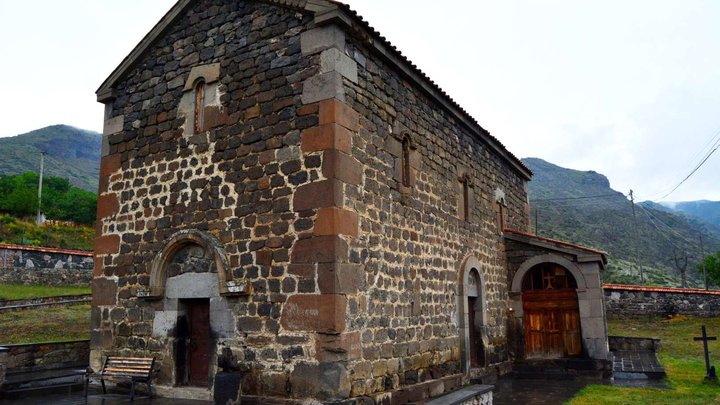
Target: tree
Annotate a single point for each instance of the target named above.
(711, 264)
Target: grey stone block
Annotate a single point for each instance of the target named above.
(192, 285)
(164, 323)
(113, 125)
(323, 87)
(335, 60)
(322, 38)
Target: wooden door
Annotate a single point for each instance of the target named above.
(198, 311)
(552, 324)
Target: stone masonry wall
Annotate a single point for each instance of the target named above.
(413, 239)
(46, 356)
(48, 266)
(234, 181)
(623, 302)
(353, 278)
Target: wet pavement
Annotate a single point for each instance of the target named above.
(77, 398)
(538, 392)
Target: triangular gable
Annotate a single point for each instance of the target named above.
(328, 12)
(582, 253)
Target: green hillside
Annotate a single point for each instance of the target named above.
(580, 207)
(708, 211)
(72, 153)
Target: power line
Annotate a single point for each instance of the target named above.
(714, 148)
(574, 198)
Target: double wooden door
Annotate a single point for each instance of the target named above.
(552, 324)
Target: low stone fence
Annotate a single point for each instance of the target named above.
(31, 357)
(625, 301)
(38, 265)
(58, 300)
(633, 343)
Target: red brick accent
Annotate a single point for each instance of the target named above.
(320, 194)
(107, 205)
(11, 246)
(340, 278)
(98, 266)
(336, 221)
(342, 347)
(104, 292)
(320, 249)
(323, 313)
(333, 111)
(341, 166)
(107, 244)
(108, 165)
(659, 289)
(329, 136)
(302, 270)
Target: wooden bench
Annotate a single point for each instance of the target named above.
(134, 370)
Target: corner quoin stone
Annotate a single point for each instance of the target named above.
(324, 313)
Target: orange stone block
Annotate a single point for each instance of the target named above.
(334, 111)
(336, 221)
(106, 245)
(341, 166)
(328, 136)
(324, 313)
(107, 205)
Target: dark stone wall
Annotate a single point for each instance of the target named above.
(643, 302)
(234, 181)
(35, 357)
(48, 267)
(415, 239)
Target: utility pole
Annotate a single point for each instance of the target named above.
(702, 262)
(637, 239)
(39, 209)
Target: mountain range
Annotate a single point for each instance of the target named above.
(571, 205)
(580, 207)
(71, 153)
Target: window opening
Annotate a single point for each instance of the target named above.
(406, 162)
(199, 105)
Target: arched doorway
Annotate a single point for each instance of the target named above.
(472, 304)
(551, 312)
(193, 342)
(475, 318)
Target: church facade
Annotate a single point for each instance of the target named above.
(286, 198)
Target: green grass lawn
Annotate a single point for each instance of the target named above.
(19, 291)
(682, 357)
(45, 324)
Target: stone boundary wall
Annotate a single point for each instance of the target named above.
(625, 301)
(59, 300)
(633, 343)
(40, 265)
(30, 357)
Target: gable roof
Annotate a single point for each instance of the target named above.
(328, 12)
(582, 252)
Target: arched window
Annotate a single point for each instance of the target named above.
(406, 161)
(199, 105)
(548, 276)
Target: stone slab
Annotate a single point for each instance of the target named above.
(192, 285)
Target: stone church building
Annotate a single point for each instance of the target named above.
(285, 198)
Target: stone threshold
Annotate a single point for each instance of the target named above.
(482, 393)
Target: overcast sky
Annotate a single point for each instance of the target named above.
(630, 89)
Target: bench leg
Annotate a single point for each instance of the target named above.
(102, 382)
(87, 382)
(132, 391)
(149, 385)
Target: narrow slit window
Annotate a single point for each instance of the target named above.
(466, 198)
(199, 105)
(406, 162)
